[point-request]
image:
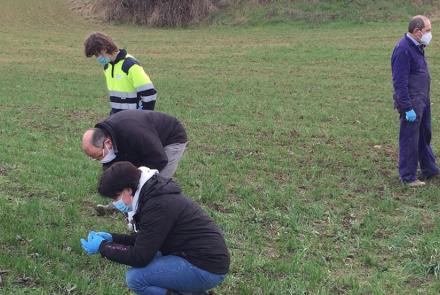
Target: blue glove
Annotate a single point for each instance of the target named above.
(105, 235)
(91, 246)
(410, 115)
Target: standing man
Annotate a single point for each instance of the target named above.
(128, 85)
(411, 81)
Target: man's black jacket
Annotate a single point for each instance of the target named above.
(139, 136)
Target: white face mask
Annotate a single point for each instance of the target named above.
(426, 38)
(109, 157)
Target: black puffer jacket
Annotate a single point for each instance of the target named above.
(139, 137)
(169, 222)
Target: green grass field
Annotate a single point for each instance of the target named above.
(293, 150)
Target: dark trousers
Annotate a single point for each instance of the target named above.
(414, 145)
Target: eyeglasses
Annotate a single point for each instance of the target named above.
(101, 157)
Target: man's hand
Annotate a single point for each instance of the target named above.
(410, 115)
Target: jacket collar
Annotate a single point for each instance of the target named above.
(411, 43)
(121, 55)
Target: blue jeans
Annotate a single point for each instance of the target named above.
(170, 273)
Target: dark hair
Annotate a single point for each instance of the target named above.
(96, 42)
(117, 177)
(98, 137)
(416, 23)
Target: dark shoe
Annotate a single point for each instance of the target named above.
(102, 210)
(429, 177)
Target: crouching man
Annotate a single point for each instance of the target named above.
(176, 247)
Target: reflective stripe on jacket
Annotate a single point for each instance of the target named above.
(127, 83)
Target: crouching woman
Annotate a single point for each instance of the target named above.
(176, 247)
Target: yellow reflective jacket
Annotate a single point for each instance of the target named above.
(128, 85)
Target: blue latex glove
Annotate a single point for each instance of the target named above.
(91, 246)
(105, 235)
(410, 115)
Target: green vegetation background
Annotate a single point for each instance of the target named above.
(292, 147)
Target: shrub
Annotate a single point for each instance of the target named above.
(172, 13)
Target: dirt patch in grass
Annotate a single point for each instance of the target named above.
(218, 207)
(208, 149)
(88, 115)
(272, 252)
(428, 224)
(3, 170)
(389, 153)
(89, 208)
(3, 272)
(282, 178)
(26, 281)
(382, 233)
(348, 220)
(415, 282)
(66, 289)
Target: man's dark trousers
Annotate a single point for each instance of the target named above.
(414, 140)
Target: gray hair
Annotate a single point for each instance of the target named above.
(416, 22)
(98, 137)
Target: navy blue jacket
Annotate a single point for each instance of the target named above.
(411, 79)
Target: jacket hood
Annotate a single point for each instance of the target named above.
(158, 186)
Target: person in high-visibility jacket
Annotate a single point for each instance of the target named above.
(129, 86)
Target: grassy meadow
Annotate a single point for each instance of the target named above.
(293, 150)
